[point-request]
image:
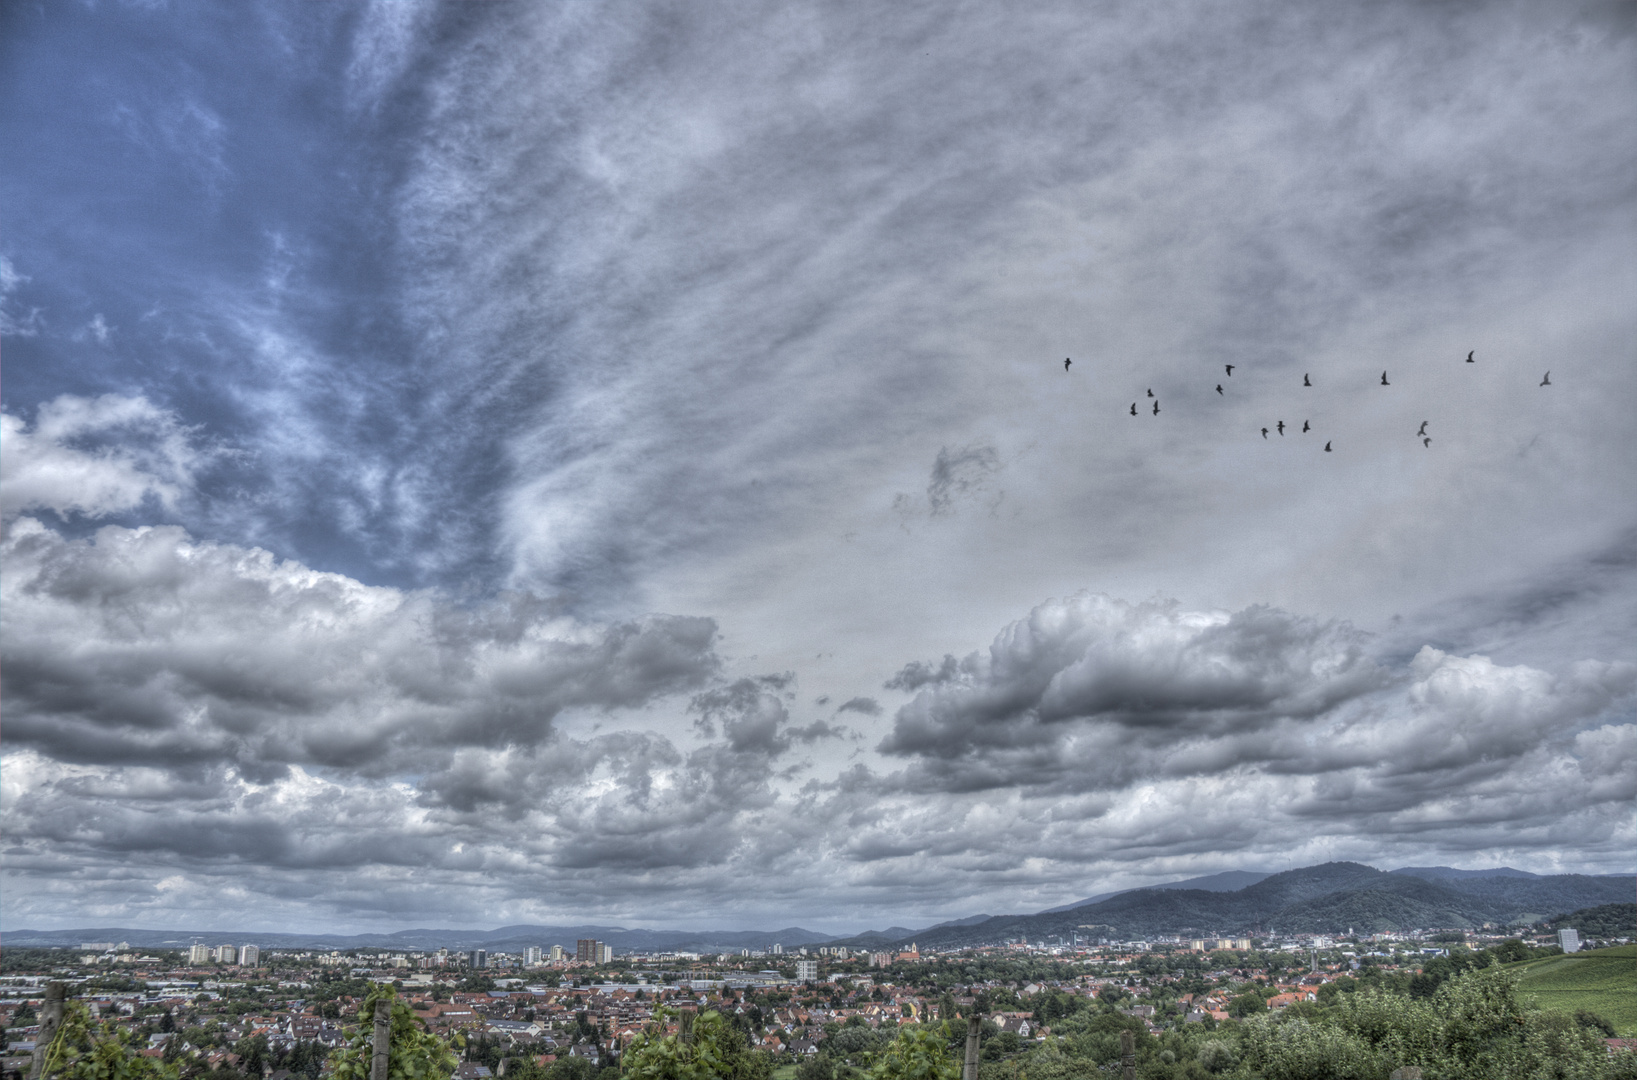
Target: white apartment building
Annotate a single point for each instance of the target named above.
(250, 956)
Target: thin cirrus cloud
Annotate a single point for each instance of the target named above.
(459, 480)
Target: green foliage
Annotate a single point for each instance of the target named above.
(1475, 1027)
(1246, 1005)
(1301, 1050)
(920, 1052)
(83, 1050)
(1216, 1055)
(415, 1053)
(716, 1051)
(1603, 921)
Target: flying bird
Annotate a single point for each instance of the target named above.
(1264, 433)
(1281, 427)
(1219, 388)
(1384, 381)
(1327, 448)
(1133, 408)
(1305, 382)
(1547, 381)
(1423, 430)
(1156, 408)
(1150, 392)
(1066, 363)
(1230, 370)
(1469, 357)
(1304, 427)
(1427, 441)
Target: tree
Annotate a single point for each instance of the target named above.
(82, 1050)
(414, 1052)
(714, 1050)
(919, 1053)
(1246, 1004)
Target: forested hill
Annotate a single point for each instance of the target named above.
(1333, 897)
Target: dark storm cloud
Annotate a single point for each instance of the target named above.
(1150, 668)
(147, 647)
(1089, 697)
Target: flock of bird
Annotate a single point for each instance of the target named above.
(1426, 440)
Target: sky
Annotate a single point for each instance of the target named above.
(477, 464)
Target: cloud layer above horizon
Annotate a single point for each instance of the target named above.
(617, 464)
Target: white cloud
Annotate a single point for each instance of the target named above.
(13, 324)
(95, 456)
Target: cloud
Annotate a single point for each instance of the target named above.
(630, 314)
(1149, 668)
(147, 647)
(1093, 702)
(208, 711)
(13, 324)
(960, 474)
(95, 456)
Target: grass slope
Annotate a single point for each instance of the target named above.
(1603, 981)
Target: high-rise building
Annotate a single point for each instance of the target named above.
(1569, 940)
(807, 971)
(588, 950)
(250, 956)
(531, 956)
(556, 953)
(227, 954)
(477, 959)
(605, 954)
(199, 954)
(778, 950)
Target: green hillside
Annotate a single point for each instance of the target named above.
(1603, 981)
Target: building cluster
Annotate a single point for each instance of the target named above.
(201, 1013)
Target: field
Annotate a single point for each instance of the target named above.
(1604, 981)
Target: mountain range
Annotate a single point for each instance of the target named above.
(1332, 897)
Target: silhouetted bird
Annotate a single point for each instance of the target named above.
(1327, 448)
(1423, 430)
(1133, 408)
(1230, 369)
(1384, 381)
(1426, 441)
(1156, 408)
(1264, 433)
(1281, 427)
(1219, 388)
(1304, 427)
(1305, 382)
(1547, 381)
(1066, 363)
(1150, 393)
(1469, 357)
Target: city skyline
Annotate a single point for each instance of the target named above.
(613, 464)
